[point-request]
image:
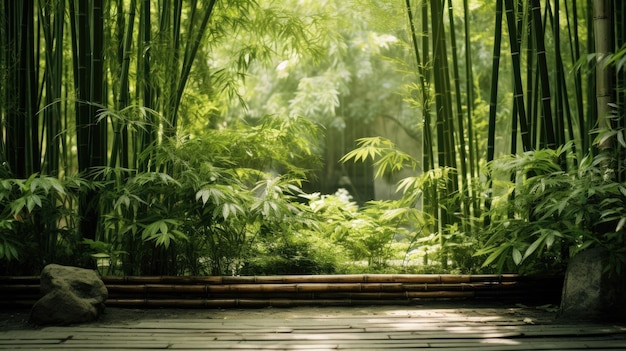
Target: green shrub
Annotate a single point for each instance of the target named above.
(291, 254)
(549, 214)
(38, 223)
(199, 207)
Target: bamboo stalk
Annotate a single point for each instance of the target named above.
(463, 179)
(493, 102)
(469, 104)
(543, 75)
(605, 85)
(578, 85)
(517, 75)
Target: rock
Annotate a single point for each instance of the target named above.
(590, 292)
(70, 295)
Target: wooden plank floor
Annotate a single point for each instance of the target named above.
(363, 328)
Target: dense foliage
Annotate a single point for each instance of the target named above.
(284, 136)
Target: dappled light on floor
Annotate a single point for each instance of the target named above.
(454, 327)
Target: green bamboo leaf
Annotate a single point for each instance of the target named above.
(395, 213)
(8, 251)
(551, 237)
(163, 227)
(517, 256)
(534, 246)
(36, 199)
(496, 253)
(152, 229)
(31, 183)
(409, 184)
(12, 253)
(361, 154)
(203, 194)
(231, 209)
(58, 186)
(217, 194)
(163, 239)
(266, 208)
(37, 183)
(620, 138)
(17, 206)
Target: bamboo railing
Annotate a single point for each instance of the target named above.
(297, 290)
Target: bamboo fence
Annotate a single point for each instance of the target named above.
(298, 290)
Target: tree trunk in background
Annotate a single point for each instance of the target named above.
(356, 177)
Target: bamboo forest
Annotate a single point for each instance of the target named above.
(262, 137)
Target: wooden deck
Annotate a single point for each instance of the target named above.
(300, 328)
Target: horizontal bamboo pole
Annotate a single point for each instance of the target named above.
(521, 293)
(346, 278)
(24, 279)
(19, 287)
(244, 303)
(341, 278)
(17, 303)
(283, 302)
(313, 296)
(289, 290)
(8, 281)
(349, 278)
(119, 300)
(297, 288)
(407, 295)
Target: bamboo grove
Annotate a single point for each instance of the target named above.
(565, 104)
(176, 137)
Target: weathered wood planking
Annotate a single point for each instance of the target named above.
(434, 329)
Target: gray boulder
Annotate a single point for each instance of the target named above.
(70, 295)
(590, 291)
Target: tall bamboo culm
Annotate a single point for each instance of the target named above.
(449, 147)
